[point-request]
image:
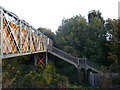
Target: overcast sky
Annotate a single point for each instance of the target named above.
(49, 13)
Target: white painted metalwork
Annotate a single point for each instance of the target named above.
(17, 37)
(1, 48)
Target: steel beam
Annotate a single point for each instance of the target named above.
(1, 45)
(1, 33)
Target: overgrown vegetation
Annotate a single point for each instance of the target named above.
(16, 75)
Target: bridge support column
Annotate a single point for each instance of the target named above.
(86, 76)
(0, 74)
(35, 62)
(79, 74)
(46, 57)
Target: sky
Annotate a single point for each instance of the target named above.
(49, 13)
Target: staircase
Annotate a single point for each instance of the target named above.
(77, 62)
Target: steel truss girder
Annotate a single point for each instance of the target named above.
(17, 37)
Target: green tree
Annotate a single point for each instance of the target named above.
(113, 27)
(95, 48)
(70, 36)
(83, 39)
(95, 14)
(47, 32)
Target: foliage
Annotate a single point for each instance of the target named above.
(95, 14)
(69, 36)
(82, 39)
(73, 86)
(23, 76)
(113, 27)
(47, 32)
(116, 80)
(66, 69)
(95, 45)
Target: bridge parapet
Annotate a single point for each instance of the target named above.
(64, 54)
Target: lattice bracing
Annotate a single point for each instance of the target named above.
(18, 37)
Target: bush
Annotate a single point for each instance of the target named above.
(23, 76)
(46, 78)
(116, 80)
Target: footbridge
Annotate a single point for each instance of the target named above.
(17, 38)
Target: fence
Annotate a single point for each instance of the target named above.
(105, 80)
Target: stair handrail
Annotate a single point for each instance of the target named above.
(92, 65)
(63, 54)
(74, 59)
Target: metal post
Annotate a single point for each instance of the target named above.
(20, 38)
(35, 61)
(46, 57)
(86, 68)
(1, 45)
(1, 32)
(78, 61)
(47, 43)
(30, 39)
(86, 76)
(78, 69)
(85, 60)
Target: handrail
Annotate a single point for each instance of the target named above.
(63, 54)
(73, 59)
(93, 65)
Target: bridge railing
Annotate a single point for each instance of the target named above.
(63, 54)
(93, 65)
(66, 55)
(80, 61)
